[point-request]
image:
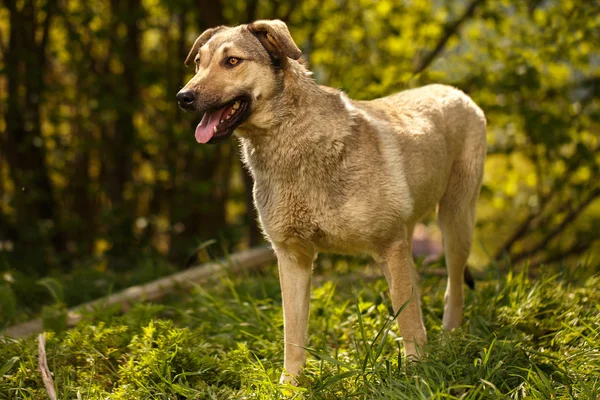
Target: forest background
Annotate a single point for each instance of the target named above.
(102, 184)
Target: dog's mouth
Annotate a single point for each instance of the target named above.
(219, 123)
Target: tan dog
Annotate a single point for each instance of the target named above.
(337, 175)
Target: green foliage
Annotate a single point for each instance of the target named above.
(54, 317)
(8, 304)
(523, 336)
(54, 287)
(110, 166)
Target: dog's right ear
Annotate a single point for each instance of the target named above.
(276, 39)
(202, 39)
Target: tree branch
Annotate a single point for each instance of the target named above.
(292, 6)
(450, 30)
(43, 367)
(50, 9)
(247, 260)
(570, 217)
(524, 227)
(575, 249)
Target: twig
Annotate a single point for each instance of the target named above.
(450, 30)
(43, 365)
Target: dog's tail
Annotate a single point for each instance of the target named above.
(469, 278)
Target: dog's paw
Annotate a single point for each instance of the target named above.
(452, 317)
(288, 379)
(414, 352)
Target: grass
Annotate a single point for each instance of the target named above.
(524, 336)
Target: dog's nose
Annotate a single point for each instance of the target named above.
(185, 98)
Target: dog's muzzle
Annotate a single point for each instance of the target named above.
(186, 99)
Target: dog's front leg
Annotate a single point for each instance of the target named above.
(295, 268)
(402, 280)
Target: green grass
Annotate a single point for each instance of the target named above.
(523, 336)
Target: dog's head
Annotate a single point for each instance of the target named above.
(238, 71)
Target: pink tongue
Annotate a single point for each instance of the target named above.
(206, 128)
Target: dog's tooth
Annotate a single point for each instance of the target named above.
(232, 112)
(227, 117)
(236, 105)
(215, 129)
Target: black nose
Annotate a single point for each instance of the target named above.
(186, 98)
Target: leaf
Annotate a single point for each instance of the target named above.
(326, 357)
(334, 379)
(54, 287)
(8, 365)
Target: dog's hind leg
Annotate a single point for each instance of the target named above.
(295, 268)
(456, 218)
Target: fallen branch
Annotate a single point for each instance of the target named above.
(245, 260)
(43, 366)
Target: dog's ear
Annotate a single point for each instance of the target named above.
(276, 39)
(202, 39)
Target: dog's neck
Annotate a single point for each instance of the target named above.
(296, 95)
(303, 118)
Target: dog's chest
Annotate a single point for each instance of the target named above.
(288, 211)
(316, 199)
(306, 214)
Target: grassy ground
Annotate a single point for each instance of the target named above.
(524, 336)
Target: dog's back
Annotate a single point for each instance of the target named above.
(435, 126)
(345, 184)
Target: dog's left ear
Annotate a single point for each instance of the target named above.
(201, 41)
(276, 39)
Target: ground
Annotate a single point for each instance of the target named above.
(525, 335)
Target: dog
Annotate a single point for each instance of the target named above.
(337, 175)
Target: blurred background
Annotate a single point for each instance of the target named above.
(102, 184)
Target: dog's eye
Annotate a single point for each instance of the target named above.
(233, 61)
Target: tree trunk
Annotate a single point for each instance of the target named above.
(23, 146)
(125, 13)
